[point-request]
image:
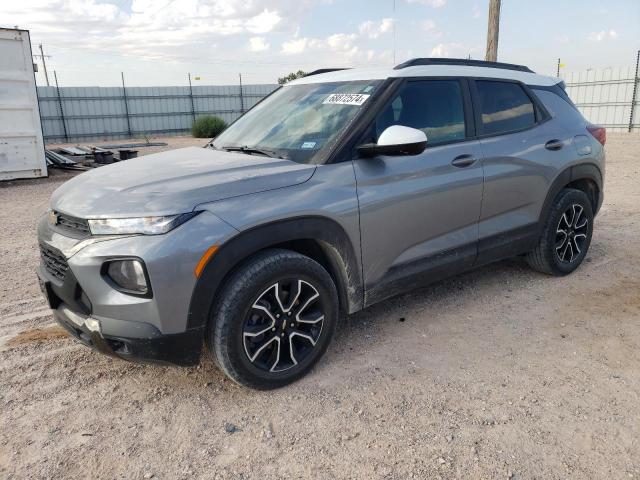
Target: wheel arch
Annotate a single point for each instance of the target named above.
(586, 177)
(319, 238)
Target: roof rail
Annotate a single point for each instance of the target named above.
(462, 61)
(324, 70)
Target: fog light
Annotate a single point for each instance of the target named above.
(129, 275)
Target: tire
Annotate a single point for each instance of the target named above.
(273, 320)
(566, 237)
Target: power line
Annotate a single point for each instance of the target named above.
(394, 32)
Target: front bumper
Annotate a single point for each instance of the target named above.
(181, 349)
(151, 328)
(133, 341)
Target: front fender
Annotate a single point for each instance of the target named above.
(326, 233)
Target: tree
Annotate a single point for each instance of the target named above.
(291, 76)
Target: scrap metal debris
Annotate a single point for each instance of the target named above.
(56, 160)
(136, 145)
(87, 157)
(74, 151)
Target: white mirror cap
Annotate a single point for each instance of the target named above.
(400, 135)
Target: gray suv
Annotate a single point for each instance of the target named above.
(335, 192)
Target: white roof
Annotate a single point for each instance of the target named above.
(428, 71)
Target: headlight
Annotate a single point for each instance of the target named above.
(129, 276)
(140, 225)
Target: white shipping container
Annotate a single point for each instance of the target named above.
(21, 144)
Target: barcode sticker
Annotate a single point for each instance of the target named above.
(346, 99)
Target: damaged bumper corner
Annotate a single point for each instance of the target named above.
(141, 342)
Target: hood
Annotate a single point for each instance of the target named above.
(173, 182)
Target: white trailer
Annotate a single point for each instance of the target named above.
(21, 143)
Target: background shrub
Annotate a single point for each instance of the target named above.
(208, 126)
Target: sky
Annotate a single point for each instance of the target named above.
(158, 42)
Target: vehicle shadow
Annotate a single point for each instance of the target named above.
(470, 289)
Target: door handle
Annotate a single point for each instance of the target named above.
(462, 161)
(553, 145)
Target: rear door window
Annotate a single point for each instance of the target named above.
(433, 106)
(504, 107)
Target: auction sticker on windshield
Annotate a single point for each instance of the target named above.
(346, 99)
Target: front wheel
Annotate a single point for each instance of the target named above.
(566, 236)
(273, 320)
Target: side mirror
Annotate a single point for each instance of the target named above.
(396, 140)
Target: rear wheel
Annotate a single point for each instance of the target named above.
(566, 236)
(273, 320)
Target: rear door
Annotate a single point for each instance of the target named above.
(420, 213)
(521, 151)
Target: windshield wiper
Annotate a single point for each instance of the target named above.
(252, 150)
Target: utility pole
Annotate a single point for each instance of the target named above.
(193, 107)
(64, 123)
(635, 91)
(493, 30)
(126, 105)
(44, 64)
(241, 95)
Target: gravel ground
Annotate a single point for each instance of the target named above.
(498, 373)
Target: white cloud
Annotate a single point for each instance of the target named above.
(475, 11)
(295, 46)
(603, 35)
(258, 44)
(169, 37)
(451, 50)
(374, 29)
(178, 29)
(339, 42)
(430, 3)
(386, 25)
(263, 22)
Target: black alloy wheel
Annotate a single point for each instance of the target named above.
(273, 320)
(283, 325)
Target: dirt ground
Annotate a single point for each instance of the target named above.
(498, 373)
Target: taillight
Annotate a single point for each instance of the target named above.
(598, 132)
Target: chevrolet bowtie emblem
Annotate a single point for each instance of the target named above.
(53, 218)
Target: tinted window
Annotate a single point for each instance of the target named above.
(504, 106)
(559, 108)
(433, 106)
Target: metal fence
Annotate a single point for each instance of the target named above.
(76, 114)
(608, 97)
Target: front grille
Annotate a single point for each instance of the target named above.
(54, 262)
(79, 226)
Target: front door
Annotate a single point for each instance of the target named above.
(419, 214)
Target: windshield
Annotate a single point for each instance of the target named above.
(298, 122)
